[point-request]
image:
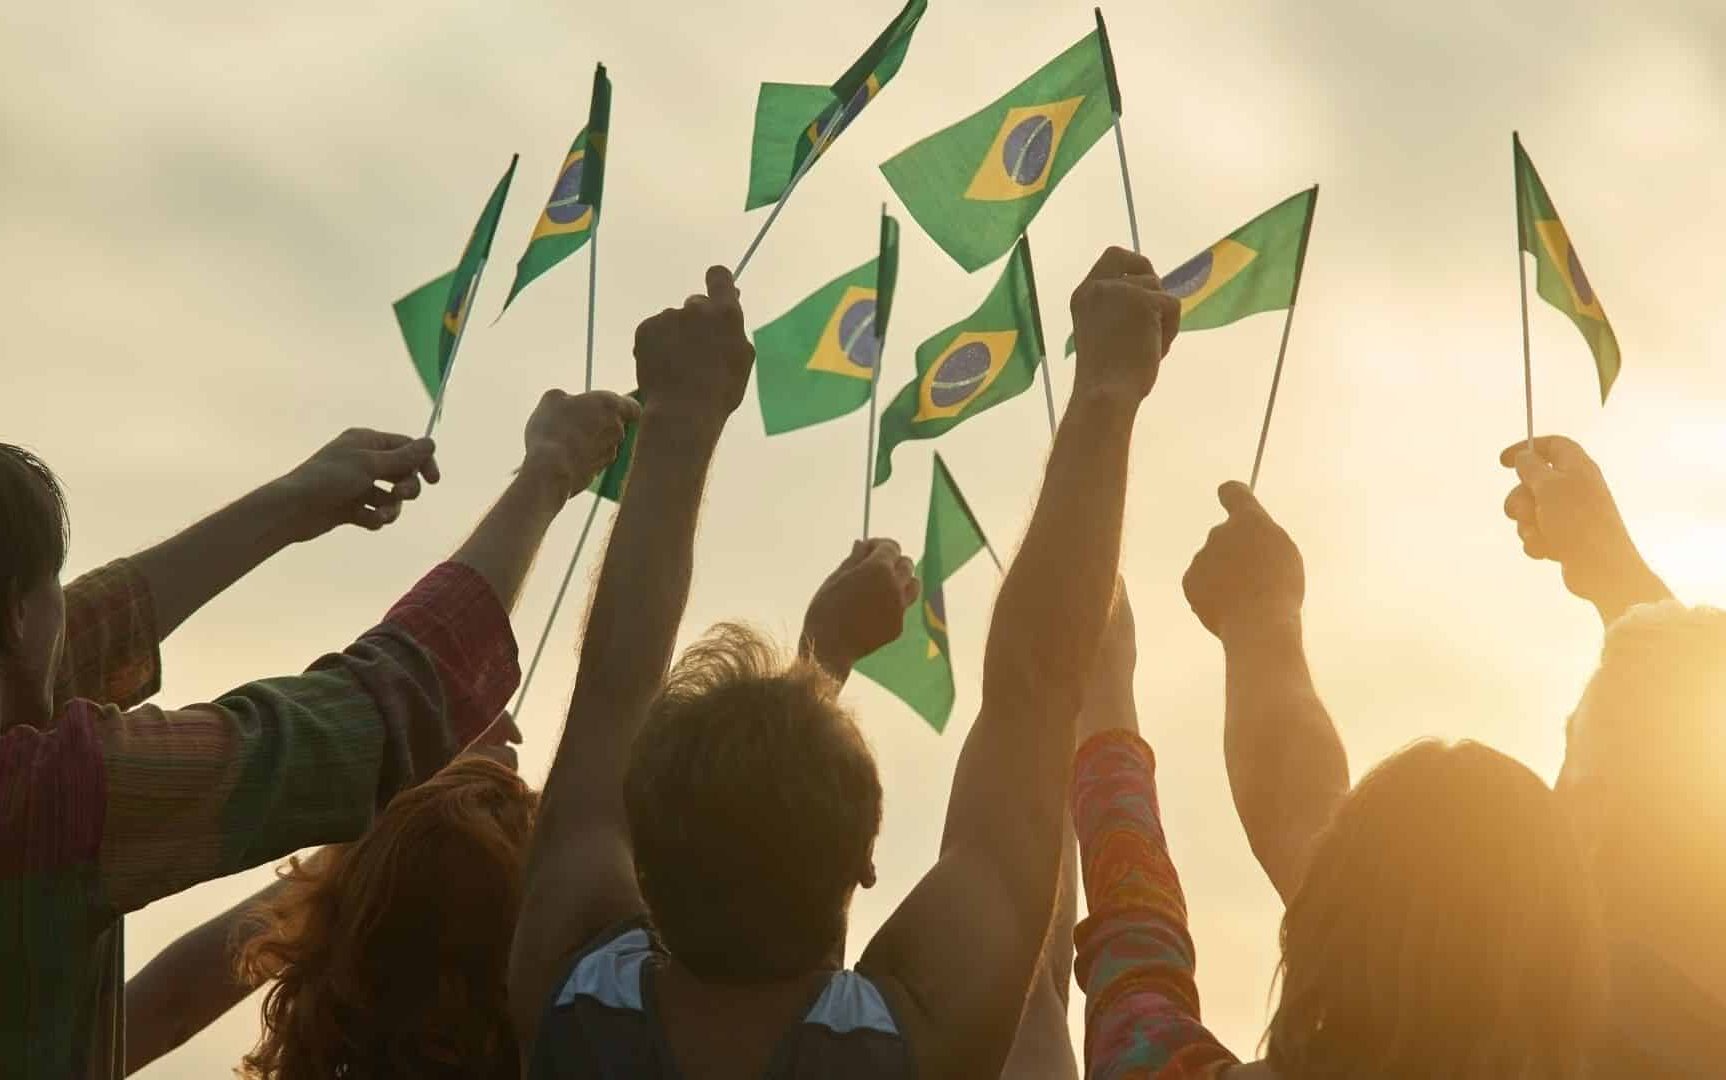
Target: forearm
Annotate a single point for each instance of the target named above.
(190, 569)
(189, 985)
(1048, 620)
(811, 649)
(502, 547)
(638, 604)
(1286, 764)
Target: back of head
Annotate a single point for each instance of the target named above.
(1646, 756)
(33, 539)
(390, 955)
(753, 806)
(1445, 928)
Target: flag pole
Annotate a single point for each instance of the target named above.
(1522, 289)
(455, 346)
(1282, 349)
(785, 196)
(869, 454)
(581, 542)
(1120, 139)
(1037, 320)
(544, 635)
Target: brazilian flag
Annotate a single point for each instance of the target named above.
(818, 360)
(431, 317)
(917, 667)
(976, 186)
(1560, 279)
(572, 213)
(791, 118)
(1255, 268)
(971, 366)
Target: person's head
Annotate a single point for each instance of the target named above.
(1646, 756)
(753, 806)
(389, 956)
(1445, 927)
(33, 539)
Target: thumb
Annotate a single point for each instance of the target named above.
(1532, 470)
(1237, 498)
(400, 463)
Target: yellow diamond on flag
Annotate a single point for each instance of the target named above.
(1023, 153)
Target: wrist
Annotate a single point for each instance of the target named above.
(548, 480)
(1105, 400)
(698, 423)
(1260, 631)
(283, 512)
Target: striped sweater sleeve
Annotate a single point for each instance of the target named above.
(110, 649)
(285, 763)
(1135, 956)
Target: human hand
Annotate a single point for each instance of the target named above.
(1123, 324)
(1565, 512)
(694, 361)
(860, 607)
(499, 741)
(361, 477)
(1249, 573)
(570, 438)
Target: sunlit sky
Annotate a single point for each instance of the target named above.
(206, 209)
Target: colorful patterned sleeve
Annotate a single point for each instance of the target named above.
(1135, 956)
(110, 652)
(285, 763)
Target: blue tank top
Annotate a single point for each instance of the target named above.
(601, 1025)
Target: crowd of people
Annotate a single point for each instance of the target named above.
(674, 901)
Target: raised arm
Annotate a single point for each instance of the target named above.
(361, 477)
(190, 984)
(1287, 767)
(693, 366)
(1565, 512)
(859, 608)
(959, 954)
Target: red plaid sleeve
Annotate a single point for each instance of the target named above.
(111, 647)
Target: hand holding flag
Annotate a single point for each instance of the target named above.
(860, 607)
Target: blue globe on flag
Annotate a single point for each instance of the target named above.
(566, 207)
(857, 334)
(1027, 148)
(1189, 277)
(960, 375)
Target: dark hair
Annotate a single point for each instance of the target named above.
(34, 530)
(753, 803)
(1445, 927)
(389, 955)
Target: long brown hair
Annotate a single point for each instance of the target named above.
(389, 957)
(1445, 928)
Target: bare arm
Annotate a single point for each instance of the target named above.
(693, 365)
(338, 485)
(1287, 767)
(960, 980)
(189, 985)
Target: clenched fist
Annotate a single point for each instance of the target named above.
(1123, 324)
(694, 361)
(860, 607)
(1249, 572)
(572, 437)
(1565, 512)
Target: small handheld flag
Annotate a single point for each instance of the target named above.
(969, 367)
(571, 215)
(977, 185)
(917, 667)
(792, 120)
(818, 360)
(1120, 139)
(889, 278)
(433, 333)
(794, 124)
(1560, 279)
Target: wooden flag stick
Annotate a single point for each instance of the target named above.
(556, 604)
(455, 346)
(1282, 349)
(869, 453)
(1127, 184)
(1270, 406)
(820, 145)
(1522, 292)
(581, 542)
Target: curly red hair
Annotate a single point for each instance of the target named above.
(389, 956)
